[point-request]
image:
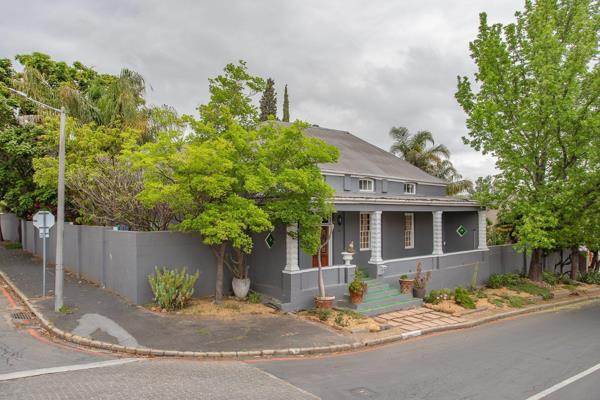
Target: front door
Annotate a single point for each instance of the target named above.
(324, 251)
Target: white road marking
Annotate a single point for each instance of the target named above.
(564, 383)
(89, 323)
(66, 368)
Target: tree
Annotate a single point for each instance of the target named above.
(232, 178)
(535, 110)
(286, 106)
(268, 102)
(434, 159)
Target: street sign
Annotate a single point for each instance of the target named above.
(43, 220)
(269, 240)
(461, 231)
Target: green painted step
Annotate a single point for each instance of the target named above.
(381, 298)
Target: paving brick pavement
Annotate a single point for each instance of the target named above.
(156, 379)
(416, 319)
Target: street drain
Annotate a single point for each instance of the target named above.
(22, 315)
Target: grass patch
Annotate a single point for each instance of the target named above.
(12, 245)
(519, 284)
(340, 320)
(517, 302)
(254, 298)
(570, 288)
(352, 314)
(463, 298)
(497, 301)
(64, 310)
(231, 306)
(321, 313)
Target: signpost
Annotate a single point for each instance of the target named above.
(43, 220)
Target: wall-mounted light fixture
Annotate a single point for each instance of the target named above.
(340, 220)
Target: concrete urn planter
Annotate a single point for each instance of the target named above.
(240, 287)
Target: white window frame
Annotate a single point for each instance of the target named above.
(361, 231)
(409, 235)
(370, 185)
(411, 185)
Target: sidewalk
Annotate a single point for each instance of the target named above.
(100, 312)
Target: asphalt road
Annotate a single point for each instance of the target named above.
(510, 359)
(514, 359)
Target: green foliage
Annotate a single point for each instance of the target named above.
(352, 314)
(497, 281)
(286, 106)
(463, 298)
(519, 284)
(404, 276)
(517, 302)
(254, 297)
(340, 320)
(434, 160)
(533, 106)
(172, 289)
(322, 313)
(12, 245)
(590, 277)
(268, 101)
(550, 278)
(356, 286)
(436, 296)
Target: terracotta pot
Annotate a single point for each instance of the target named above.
(406, 285)
(356, 297)
(324, 302)
(419, 292)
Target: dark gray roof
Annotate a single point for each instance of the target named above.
(360, 157)
(368, 198)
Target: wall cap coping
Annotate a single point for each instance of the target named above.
(313, 269)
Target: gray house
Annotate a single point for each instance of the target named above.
(395, 214)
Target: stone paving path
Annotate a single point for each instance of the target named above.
(416, 318)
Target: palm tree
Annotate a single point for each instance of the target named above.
(433, 159)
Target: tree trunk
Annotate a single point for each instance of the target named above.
(574, 262)
(535, 266)
(2, 236)
(594, 263)
(220, 259)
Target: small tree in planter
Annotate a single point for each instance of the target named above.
(406, 284)
(420, 282)
(323, 301)
(356, 290)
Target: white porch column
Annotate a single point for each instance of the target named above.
(437, 233)
(291, 249)
(375, 226)
(482, 230)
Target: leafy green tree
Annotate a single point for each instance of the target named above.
(268, 101)
(432, 159)
(535, 109)
(286, 106)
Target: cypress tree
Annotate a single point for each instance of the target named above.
(286, 106)
(268, 102)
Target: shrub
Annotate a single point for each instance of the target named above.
(533, 289)
(550, 278)
(437, 296)
(323, 313)
(516, 301)
(172, 289)
(497, 281)
(340, 320)
(356, 286)
(463, 298)
(591, 277)
(254, 297)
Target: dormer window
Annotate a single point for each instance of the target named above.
(366, 185)
(410, 188)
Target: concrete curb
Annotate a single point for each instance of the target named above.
(144, 351)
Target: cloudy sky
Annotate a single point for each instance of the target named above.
(361, 66)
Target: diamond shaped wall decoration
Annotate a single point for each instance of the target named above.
(269, 240)
(461, 231)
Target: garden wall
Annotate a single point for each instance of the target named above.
(122, 260)
(10, 227)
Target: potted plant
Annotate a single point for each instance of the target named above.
(360, 275)
(322, 301)
(406, 284)
(241, 280)
(356, 291)
(420, 282)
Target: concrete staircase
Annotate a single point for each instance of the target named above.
(380, 298)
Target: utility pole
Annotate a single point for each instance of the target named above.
(60, 223)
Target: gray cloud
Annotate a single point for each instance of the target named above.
(352, 65)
